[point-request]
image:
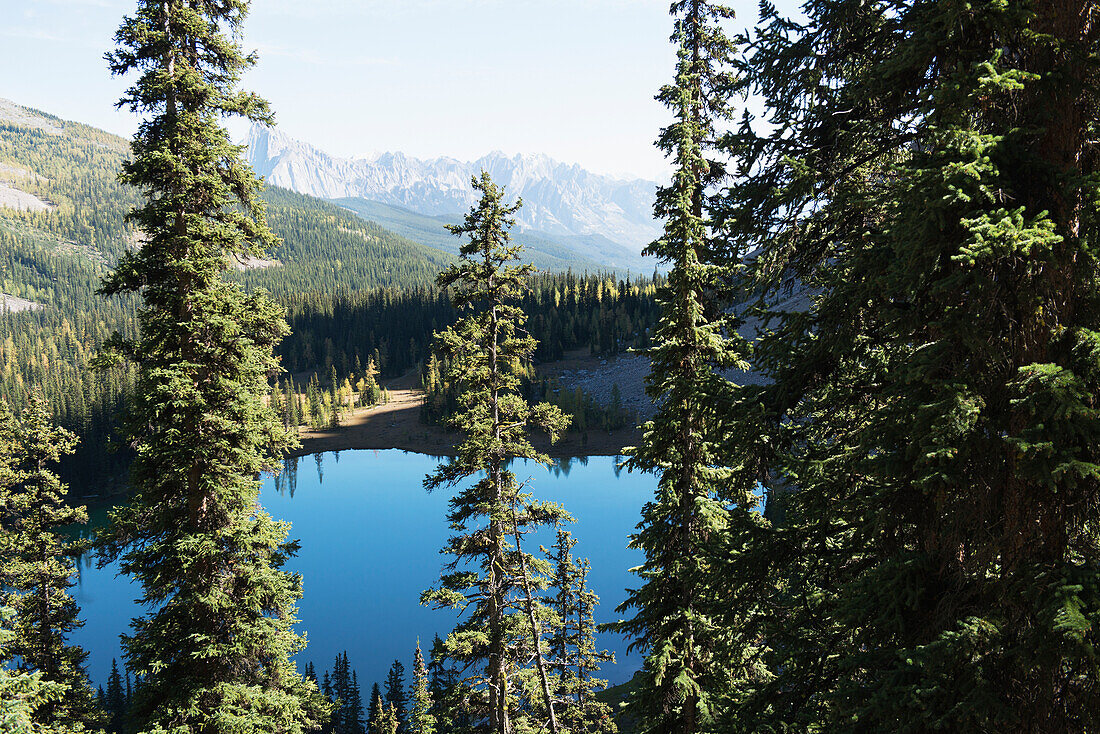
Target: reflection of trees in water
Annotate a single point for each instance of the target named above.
(286, 481)
(562, 465)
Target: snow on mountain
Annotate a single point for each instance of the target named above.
(558, 199)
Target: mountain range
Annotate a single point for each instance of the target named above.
(594, 217)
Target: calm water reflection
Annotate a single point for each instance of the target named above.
(370, 539)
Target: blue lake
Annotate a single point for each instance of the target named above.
(370, 537)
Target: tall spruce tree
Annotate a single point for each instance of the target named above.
(395, 694)
(674, 620)
(214, 651)
(928, 175)
(114, 701)
(447, 690)
(356, 724)
(374, 709)
(487, 351)
(576, 659)
(421, 720)
(37, 567)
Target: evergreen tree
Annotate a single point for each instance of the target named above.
(694, 341)
(488, 350)
(573, 643)
(22, 694)
(341, 682)
(421, 720)
(374, 711)
(930, 437)
(388, 723)
(385, 721)
(354, 718)
(114, 700)
(36, 566)
(334, 399)
(447, 693)
(214, 651)
(369, 392)
(395, 692)
(565, 605)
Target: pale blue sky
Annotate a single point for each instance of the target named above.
(574, 79)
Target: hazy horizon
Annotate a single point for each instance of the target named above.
(427, 78)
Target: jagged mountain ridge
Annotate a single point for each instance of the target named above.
(559, 199)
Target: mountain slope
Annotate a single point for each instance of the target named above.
(579, 253)
(560, 201)
(73, 169)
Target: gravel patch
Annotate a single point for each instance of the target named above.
(9, 172)
(597, 377)
(14, 304)
(14, 198)
(250, 262)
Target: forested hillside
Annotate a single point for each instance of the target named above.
(56, 253)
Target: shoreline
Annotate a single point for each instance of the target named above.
(396, 425)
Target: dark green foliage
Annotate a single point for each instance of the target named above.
(674, 622)
(489, 578)
(115, 701)
(213, 651)
(565, 312)
(928, 174)
(326, 249)
(448, 693)
(36, 564)
(575, 657)
(395, 696)
(374, 711)
(21, 694)
(51, 349)
(341, 687)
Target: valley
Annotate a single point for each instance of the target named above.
(570, 216)
(275, 423)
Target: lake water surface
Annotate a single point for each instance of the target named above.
(370, 537)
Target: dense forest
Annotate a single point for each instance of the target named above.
(891, 527)
(395, 326)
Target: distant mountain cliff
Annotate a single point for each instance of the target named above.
(559, 200)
